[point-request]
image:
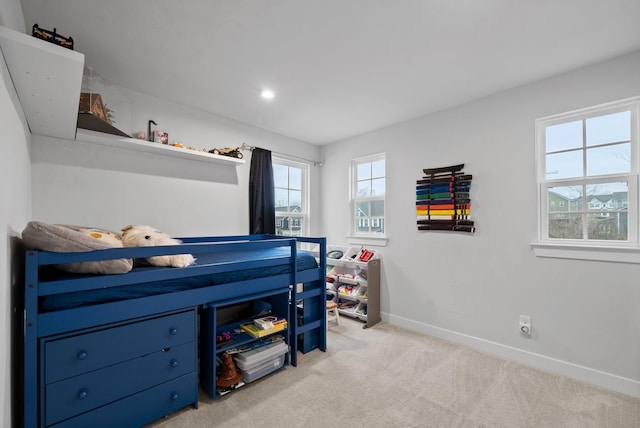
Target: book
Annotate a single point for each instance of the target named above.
(257, 344)
(265, 323)
(255, 331)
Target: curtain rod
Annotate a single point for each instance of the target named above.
(245, 146)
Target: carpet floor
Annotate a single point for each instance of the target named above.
(386, 376)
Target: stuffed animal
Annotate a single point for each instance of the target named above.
(147, 236)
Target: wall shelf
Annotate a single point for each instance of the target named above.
(149, 147)
(47, 79)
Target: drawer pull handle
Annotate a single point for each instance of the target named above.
(82, 394)
(173, 331)
(173, 363)
(82, 355)
(174, 396)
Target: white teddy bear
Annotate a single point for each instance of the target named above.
(147, 236)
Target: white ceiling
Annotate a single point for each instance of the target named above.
(339, 67)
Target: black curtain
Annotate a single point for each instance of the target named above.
(262, 209)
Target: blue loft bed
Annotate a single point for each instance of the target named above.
(135, 320)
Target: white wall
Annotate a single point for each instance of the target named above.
(471, 289)
(81, 183)
(11, 15)
(15, 194)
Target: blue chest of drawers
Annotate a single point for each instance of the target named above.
(120, 375)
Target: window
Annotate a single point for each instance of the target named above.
(290, 182)
(588, 176)
(367, 195)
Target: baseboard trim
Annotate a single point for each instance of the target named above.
(585, 374)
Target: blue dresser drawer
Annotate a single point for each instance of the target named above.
(89, 391)
(141, 408)
(71, 356)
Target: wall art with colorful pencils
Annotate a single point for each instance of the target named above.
(443, 201)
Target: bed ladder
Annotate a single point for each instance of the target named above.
(308, 317)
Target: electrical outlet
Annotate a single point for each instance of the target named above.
(525, 325)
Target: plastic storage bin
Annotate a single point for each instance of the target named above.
(261, 361)
(263, 369)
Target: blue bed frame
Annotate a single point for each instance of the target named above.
(306, 330)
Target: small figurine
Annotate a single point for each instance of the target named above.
(160, 137)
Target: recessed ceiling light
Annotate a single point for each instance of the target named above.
(267, 94)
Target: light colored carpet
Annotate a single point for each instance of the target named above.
(389, 377)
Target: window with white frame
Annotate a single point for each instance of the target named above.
(587, 165)
(291, 192)
(368, 189)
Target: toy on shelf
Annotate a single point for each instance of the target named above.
(229, 375)
(366, 255)
(227, 151)
(102, 106)
(52, 37)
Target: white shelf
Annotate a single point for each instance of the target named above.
(350, 257)
(47, 79)
(353, 281)
(149, 147)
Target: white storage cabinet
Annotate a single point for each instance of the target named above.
(354, 284)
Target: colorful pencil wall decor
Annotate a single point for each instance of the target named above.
(443, 201)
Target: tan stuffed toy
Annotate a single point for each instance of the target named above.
(147, 236)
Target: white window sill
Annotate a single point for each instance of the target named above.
(587, 252)
(375, 240)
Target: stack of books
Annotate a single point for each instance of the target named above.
(265, 326)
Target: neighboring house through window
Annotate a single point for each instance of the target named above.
(291, 193)
(587, 163)
(368, 189)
